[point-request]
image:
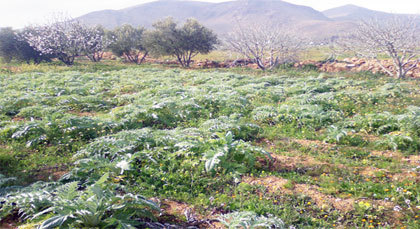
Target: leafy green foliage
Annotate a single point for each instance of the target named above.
(184, 42)
(28, 201)
(336, 134)
(250, 220)
(127, 41)
(199, 137)
(396, 141)
(6, 184)
(13, 46)
(97, 205)
(231, 156)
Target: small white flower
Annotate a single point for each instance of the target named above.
(236, 180)
(397, 208)
(123, 165)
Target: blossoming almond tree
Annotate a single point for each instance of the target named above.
(66, 39)
(94, 42)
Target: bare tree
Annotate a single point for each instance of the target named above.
(267, 45)
(397, 38)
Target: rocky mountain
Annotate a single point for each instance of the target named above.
(222, 17)
(356, 13)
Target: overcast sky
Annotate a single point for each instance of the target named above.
(19, 13)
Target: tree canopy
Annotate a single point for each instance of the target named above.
(183, 42)
(14, 46)
(127, 41)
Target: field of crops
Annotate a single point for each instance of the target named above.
(147, 146)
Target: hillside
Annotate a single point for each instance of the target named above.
(146, 14)
(221, 17)
(356, 13)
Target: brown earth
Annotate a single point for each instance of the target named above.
(323, 201)
(9, 222)
(387, 153)
(356, 65)
(83, 113)
(50, 172)
(174, 211)
(413, 160)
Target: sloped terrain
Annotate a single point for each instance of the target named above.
(357, 13)
(207, 148)
(222, 17)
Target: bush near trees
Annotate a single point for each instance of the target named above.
(13, 46)
(127, 42)
(7, 44)
(185, 42)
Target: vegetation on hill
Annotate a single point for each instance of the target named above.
(144, 146)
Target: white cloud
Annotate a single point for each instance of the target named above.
(19, 13)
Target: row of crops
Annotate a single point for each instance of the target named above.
(131, 135)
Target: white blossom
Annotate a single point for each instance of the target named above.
(67, 39)
(123, 165)
(397, 208)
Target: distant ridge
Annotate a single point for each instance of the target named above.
(222, 17)
(356, 13)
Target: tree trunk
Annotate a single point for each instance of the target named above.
(180, 60)
(401, 72)
(143, 58)
(260, 64)
(67, 60)
(95, 57)
(131, 58)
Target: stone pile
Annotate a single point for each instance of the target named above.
(346, 65)
(356, 65)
